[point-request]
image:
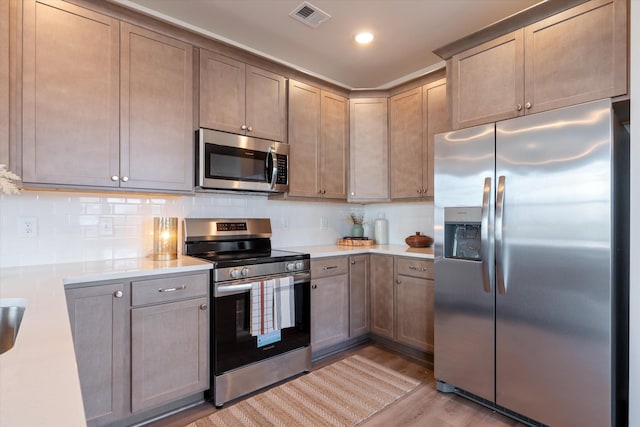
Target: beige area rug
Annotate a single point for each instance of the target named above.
(344, 393)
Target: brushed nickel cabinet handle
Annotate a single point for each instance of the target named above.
(519, 107)
(528, 105)
(329, 267)
(203, 306)
(411, 267)
(115, 178)
(177, 288)
(124, 179)
(243, 127)
(117, 294)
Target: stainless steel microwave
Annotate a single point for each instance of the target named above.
(235, 162)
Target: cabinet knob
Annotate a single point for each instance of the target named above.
(398, 281)
(353, 262)
(117, 294)
(243, 127)
(319, 191)
(519, 107)
(124, 179)
(314, 286)
(115, 178)
(250, 128)
(353, 194)
(203, 306)
(528, 105)
(419, 190)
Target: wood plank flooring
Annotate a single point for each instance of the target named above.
(424, 406)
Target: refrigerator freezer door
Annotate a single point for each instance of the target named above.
(553, 311)
(464, 321)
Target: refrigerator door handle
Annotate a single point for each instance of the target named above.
(487, 259)
(502, 285)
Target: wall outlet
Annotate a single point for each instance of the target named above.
(28, 226)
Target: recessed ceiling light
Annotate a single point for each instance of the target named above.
(364, 37)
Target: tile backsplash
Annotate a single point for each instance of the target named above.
(73, 226)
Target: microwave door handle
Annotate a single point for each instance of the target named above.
(274, 168)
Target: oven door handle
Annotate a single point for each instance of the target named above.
(238, 288)
(232, 289)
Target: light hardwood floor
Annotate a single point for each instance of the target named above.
(423, 407)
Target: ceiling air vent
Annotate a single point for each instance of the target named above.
(309, 14)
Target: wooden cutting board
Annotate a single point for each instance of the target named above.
(355, 242)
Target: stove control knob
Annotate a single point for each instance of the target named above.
(299, 265)
(234, 273)
(244, 272)
(291, 266)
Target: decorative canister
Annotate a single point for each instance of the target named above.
(381, 230)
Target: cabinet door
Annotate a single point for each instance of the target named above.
(436, 120)
(304, 140)
(266, 113)
(4, 84)
(329, 311)
(414, 312)
(382, 295)
(358, 295)
(222, 92)
(169, 352)
(369, 150)
(406, 144)
(576, 56)
(334, 148)
(156, 125)
(70, 81)
(98, 315)
(487, 82)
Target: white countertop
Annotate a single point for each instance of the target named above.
(39, 383)
(337, 250)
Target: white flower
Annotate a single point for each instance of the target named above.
(7, 178)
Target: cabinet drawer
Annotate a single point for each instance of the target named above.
(167, 289)
(415, 267)
(331, 266)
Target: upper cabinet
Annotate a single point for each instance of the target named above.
(407, 144)
(239, 98)
(415, 116)
(71, 85)
(4, 84)
(104, 105)
(318, 138)
(156, 111)
(572, 57)
(369, 150)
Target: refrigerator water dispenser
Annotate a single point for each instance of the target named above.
(462, 233)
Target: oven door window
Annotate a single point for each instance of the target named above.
(234, 346)
(238, 164)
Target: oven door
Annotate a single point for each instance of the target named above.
(233, 345)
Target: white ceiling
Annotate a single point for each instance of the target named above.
(407, 32)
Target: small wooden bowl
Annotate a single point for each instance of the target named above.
(419, 240)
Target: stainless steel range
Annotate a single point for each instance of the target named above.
(260, 322)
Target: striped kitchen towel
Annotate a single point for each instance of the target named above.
(262, 319)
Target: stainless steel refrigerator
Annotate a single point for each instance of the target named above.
(531, 265)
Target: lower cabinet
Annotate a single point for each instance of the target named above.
(382, 295)
(99, 322)
(414, 302)
(140, 344)
(329, 301)
(402, 300)
(358, 295)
